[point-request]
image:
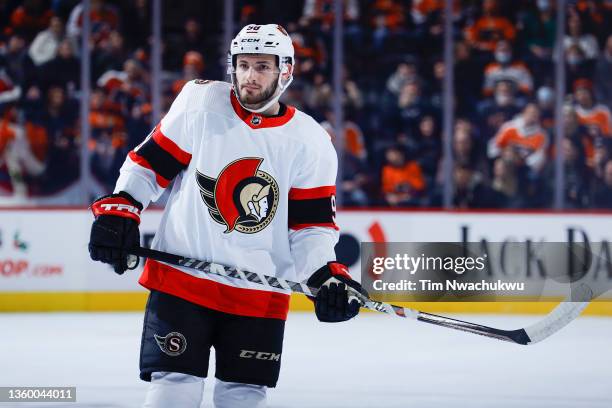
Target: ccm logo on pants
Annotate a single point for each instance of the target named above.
(260, 355)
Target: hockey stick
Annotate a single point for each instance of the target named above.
(561, 316)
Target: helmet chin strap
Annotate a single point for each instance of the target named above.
(280, 88)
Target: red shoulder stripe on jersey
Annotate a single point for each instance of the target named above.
(142, 162)
(311, 193)
(257, 121)
(322, 224)
(168, 145)
(214, 295)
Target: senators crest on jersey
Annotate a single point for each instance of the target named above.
(242, 197)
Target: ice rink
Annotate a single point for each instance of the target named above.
(372, 361)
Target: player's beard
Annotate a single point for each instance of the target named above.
(260, 99)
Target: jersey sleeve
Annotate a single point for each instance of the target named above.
(165, 152)
(313, 232)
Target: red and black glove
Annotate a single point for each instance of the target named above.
(115, 230)
(334, 302)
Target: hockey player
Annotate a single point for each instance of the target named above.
(253, 187)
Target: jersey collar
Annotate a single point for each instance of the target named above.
(257, 121)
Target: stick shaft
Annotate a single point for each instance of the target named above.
(558, 318)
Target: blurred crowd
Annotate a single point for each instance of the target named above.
(503, 141)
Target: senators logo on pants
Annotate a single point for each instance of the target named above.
(243, 198)
(173, 344)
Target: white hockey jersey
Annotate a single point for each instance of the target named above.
(249, 191)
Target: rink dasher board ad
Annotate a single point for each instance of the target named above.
(44, 258)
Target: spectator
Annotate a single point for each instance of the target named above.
(602, 196)
(22, 155)
(321, 13)
(9, 91)
(468, 79)
(591, 14)
(539, 31)
(354, 142)
(574, 130)
(577, 174)
(64, 69)
(591, 114)
(603, 153)
(193, 67)
(193, 39)
(428, 148)
(526, 136)
(319, 96)
(45, 45)
(104, 116)
(127, 87)
(507, 184)
(575, 37)
(356, 181)
(108, 140)
(489, 29)
(545, 97)
(59, 119)
(109, 54)
(602, 78)
(310, 53)
(464, 148)
(411, 107)
(505, 68)
(435, 90)
(404, 73)
(322, 94)
(577, 67)
(133, 97)
(355, 174)
(402, 179)
(15, 60)
(104, 19)
(295, 95)
(136, 23)
(471, 192)
(30, 18)
(422, 10)
(496, 111)
(387, 20)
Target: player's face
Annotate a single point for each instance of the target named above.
(257, 77)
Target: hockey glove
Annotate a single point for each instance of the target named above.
(115, 230)
(334, 302)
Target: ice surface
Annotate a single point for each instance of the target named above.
(372, 361)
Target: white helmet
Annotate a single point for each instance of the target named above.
(262, 39)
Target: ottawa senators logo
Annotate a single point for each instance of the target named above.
(243, 198)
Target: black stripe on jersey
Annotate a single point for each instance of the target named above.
(162, 162)
(312, 211)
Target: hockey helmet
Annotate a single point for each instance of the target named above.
(263, 39)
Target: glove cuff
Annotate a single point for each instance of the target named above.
(339, 269)
(324, 273)
(119, 205)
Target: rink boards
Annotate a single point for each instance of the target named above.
(44, 263)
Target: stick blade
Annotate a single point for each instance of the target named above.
(561, 316)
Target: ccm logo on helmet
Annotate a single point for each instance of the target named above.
(260, 355)
(120, 207)
(250, 40)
